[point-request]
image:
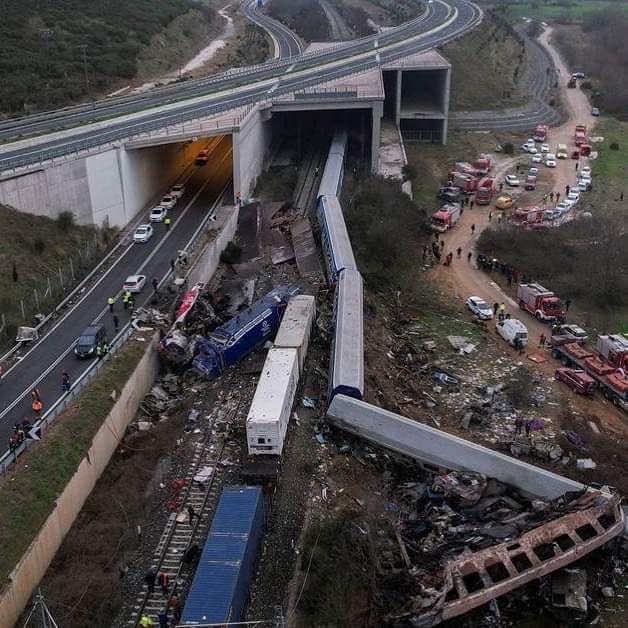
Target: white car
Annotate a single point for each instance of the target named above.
(143, 233)
(585, 176)
(537, 159)
(158, 213)
(584, 185)
(168, 201)
(550, 160)
(511, 180)
(177, 190)
(585, 170)
(529, 148)
(545, 148)
(563, 207)
(480, 308)
(573, 196)
(533, 172)
(134, 283)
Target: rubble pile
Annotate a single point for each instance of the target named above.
(163, 397)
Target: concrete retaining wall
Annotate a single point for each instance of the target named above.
(109, 187)
(33, 565)
(250, 146)
(207, 262)
(440, 449)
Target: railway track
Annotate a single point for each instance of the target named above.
(307, 183)
(179, 533)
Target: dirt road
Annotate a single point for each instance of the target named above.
(464, 279)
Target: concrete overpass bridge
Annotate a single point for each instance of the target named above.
(106, 161)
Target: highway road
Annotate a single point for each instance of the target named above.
(44, 364)
(441, 22)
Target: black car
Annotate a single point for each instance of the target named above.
(87, 342)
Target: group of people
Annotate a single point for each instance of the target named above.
(161, 579)
(436, 250)
(20, 430)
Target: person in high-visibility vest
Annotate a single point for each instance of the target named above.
(125, 300)
(110, 302)
(146, 621)
(167, 222)
(37, 406)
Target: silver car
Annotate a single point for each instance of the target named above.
(480, 308)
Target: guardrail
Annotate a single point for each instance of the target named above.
(40, 426)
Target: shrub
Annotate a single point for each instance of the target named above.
(39, 246)
(614, 146)
(509, 148)
(65, 220)
(410, 173)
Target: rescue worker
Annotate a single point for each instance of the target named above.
(472, 229)
(99, 351)
(125, 300)
(155, 284)
(37, 406)
(542, 340)
(116, 322)
(167, 222)
(110, 303)
(163, 619)
(469, 256)
(146, 621)
(459, 252)
(105, 348)
(65, 382)
(149, 579)
(490, 216)
(163, 581)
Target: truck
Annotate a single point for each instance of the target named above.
(580, 135)
(239, 336)
(445, 218)
(541, 133)
(606, 364)
(526, 216)
(466, 182)
(484, 191)
(483, 164)
(540, 302)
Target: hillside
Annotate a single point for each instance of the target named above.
(49, 48)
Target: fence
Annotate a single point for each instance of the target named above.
(8, 458)
(21, 307)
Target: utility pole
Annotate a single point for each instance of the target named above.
(39, 604)
(83, 47)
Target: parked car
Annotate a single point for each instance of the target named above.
(533, 172)
(177, 190)
(202, 158)
(578, 75)
(530, 183)
(550, 160)
(529, 147)
(480, 308)
(573, 196)
(168, 201)
(87, 342)
(585, 170)
(143, 233)
(512, 180)
(537, 159)
(511, 330)
(579, 381)
(563, 207)
(134, 283)
(545, 148)
(158, 213)
(595, 111)
(584, 185)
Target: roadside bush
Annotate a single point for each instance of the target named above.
(509, 148)
(39, 246)
(65, 220)
(614, 146)
(410, 173)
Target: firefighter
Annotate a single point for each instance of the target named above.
(110, 303)
(167, 222)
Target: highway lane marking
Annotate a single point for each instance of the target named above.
(219, 97)
(290, 68)
(121, 244)
(65, 353)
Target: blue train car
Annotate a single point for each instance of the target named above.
(220, 589)
(335, 241)
(333, 173)
(243, 333)
(347, 352)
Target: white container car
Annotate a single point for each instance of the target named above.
(296, 325)
(269, 414)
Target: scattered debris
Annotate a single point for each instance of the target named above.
(461, 344)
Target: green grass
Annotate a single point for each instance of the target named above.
(572, 12)
(27, 495)
(612, 165)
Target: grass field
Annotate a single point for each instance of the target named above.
(28, 495)
(612, 165)
(564, 12)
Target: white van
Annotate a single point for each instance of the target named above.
(510, 329)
